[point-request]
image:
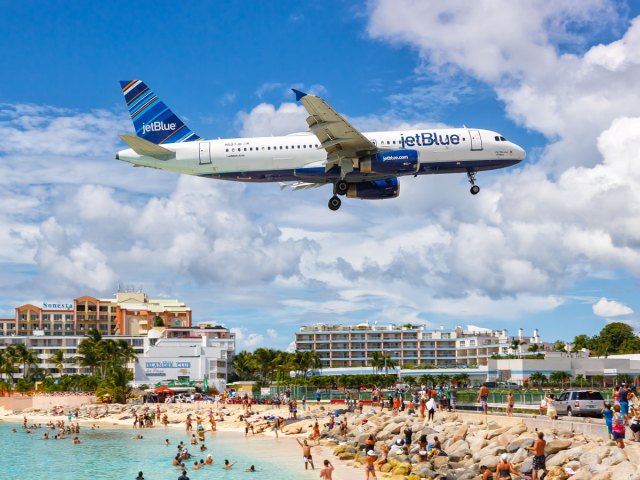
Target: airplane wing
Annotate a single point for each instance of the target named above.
(344, 144)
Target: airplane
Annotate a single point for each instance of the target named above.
(363, 165)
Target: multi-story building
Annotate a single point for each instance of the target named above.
(352, 346)
(187, 354)
(159, 330)
(45, 346)
(129, 313)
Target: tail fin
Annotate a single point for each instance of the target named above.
(152, 119)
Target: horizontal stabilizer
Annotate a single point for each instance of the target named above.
(147, 148)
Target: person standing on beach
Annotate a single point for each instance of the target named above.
(454, 397)
(431, 409)
(539, 464)
(623, 399)
(327, 472)
(483, 398)
(607, 413)
(618, 426)
(306, 453)
(510, 404)
(370, 468)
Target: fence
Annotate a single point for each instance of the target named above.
(523, 397)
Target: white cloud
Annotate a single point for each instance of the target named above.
(265, 120)
(246, 340)
(610, 308)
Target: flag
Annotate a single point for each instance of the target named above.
(205, 384)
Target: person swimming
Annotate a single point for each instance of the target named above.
(227, 465)
(209, 459)
(252, 468)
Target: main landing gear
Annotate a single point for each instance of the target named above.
(339, 188)
(472, 180)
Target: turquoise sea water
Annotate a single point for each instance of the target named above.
(113, 454)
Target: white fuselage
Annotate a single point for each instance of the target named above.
(295, 156)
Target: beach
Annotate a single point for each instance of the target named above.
(282, 451)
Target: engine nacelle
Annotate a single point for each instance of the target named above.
(396, 161)
(375, 189)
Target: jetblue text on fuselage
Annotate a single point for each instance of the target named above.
(157, 127)
(425, 139)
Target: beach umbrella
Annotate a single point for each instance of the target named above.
(164, 389)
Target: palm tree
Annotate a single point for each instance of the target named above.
(88, 350)
(376, 361)
(245, 366)
(25, 356)
(126, 353)
(57, 358)
(265, 359)
(515, 345)
(388, 363)
(537, 379)
(534, 347)
(8, 363)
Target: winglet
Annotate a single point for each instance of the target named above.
(299, 94)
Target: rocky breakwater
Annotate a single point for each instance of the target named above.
(469, 444)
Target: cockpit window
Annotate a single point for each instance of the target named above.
(503, 139)
(497, 138)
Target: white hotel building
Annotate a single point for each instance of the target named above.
(341, 346)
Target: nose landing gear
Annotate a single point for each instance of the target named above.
(472, 180)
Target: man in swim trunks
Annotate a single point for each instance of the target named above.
(538, 457)
(483, 397)
(306, 453)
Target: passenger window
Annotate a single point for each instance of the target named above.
(298, 146)
(287, 147)
(227, 149)
(394, 142)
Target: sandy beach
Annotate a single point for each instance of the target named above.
(120, 416)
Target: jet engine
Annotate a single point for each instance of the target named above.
(375, 189)
(396, 161)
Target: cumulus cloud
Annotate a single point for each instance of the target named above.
(246, 340)
(610, 308)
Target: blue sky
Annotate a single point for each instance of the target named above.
(552, 243)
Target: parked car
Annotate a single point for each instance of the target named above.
(580, 402)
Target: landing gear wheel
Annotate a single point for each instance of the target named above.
(472, 180)
(334, 203)
(341, 187)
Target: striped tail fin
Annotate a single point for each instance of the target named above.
(152, 119)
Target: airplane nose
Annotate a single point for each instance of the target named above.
(519, 152)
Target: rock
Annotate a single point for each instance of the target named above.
(554, 446)
(520, 456)
(492, 425)
(616, 457)
(527, 465)
(347, 456)
(402, 469)
(476, 444)
(557, 473)
(460, 434)
(625, 471)
(518, 429)
(582, 474)
(440, 461)
(423, 470)
(602, 476)
(460, 454)
(504, 439)
(399, 477)
(386, 467)
(490, 461)
(518, 444)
